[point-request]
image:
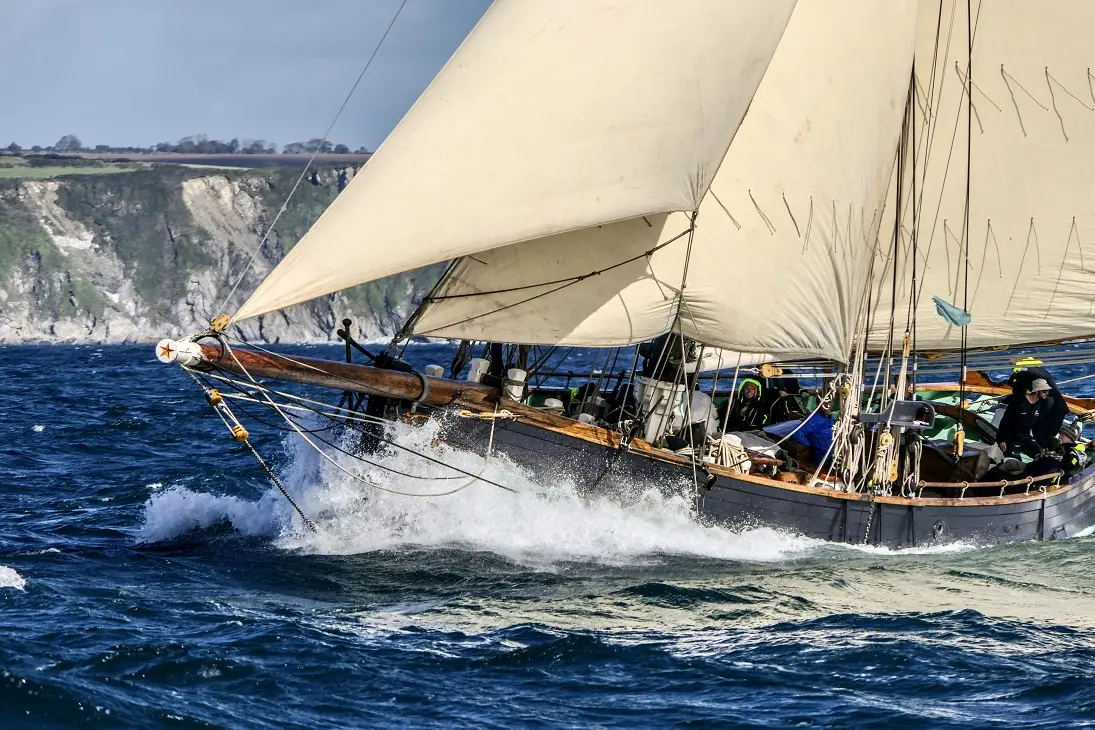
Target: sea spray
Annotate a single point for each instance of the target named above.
(362, 507)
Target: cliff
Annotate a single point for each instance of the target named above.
(150, 253)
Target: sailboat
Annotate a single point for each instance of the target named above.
(855, 189)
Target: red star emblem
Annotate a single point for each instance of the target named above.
(165, 351)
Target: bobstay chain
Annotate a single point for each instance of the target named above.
(240, 434)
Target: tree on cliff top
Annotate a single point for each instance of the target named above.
(68, 143)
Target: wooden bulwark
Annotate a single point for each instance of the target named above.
(1077, 406)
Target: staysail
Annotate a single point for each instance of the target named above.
(1031, 256)
(561, 152)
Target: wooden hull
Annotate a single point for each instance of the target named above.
(741, 501)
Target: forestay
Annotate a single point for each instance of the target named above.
(1031, 177)
(551, 117)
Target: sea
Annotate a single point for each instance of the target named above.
(152, 576)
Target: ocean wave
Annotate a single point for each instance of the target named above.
(10, 578)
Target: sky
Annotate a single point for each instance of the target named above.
(138, 72)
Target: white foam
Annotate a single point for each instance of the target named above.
(950, 547)
(9, 578)
(541, 524)
(177, 510)
(38, 428)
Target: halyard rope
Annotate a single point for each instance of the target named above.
(258, 249)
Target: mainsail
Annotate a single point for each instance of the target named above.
(1031, 176)
(783, 240)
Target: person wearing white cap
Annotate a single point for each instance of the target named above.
(1015, 435)
(1053, 408)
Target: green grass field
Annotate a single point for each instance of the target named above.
(27, 172)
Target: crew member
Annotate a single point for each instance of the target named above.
(1053, 409)
(666, 358)
(781, 399)
(1074, 457)
(747, 410)
(1016, 434)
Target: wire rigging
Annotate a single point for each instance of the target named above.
(304, 172)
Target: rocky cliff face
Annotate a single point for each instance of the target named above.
(154, 253)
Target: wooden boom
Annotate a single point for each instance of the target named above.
(349, 376)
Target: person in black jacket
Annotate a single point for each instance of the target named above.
(781, 399)
(1053, 409)
(748, 411)
(1023, 418)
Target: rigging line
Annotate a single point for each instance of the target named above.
(628, 389)
(420, 477)
(929, 117)
(335, 423)
(262, 462)
(544, 376)
(901, 150)
(566, 280)
(543, 294)
(301, 399)
(304, 172)
(360, 417)
(950, 154)
(913, 299)
(684, 269)
(405, 330)
(966, 217)
(688, 418)
(327, 456)
(278, 355)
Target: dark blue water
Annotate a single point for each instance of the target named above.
(153, 578)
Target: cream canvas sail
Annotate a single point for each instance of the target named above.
(551, 117)
(783, 242)
(1031, 259)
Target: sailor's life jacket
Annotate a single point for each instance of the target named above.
(746, 414)
(1074, 461)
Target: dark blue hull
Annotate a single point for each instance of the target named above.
(591, 457)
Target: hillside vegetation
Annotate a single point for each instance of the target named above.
(155, 251)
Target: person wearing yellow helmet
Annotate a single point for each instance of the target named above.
(747, 411)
